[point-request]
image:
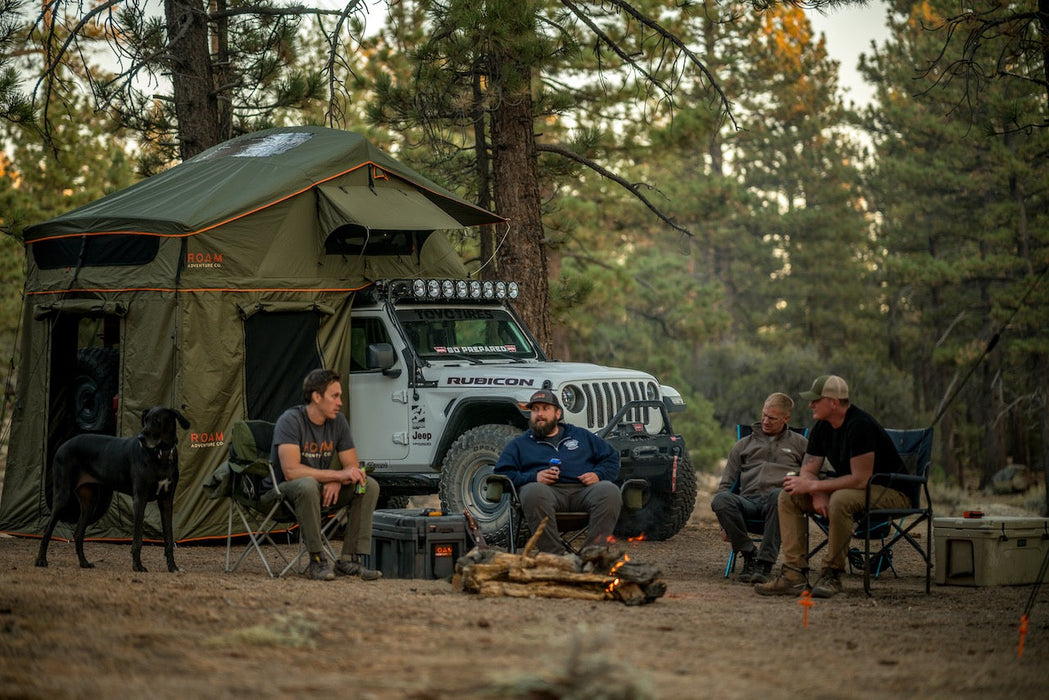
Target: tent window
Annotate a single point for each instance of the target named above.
(280, 349)
(354, 239)
(98, 251)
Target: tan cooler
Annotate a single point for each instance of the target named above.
(999, 551)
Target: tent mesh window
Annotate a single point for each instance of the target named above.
(95, 251)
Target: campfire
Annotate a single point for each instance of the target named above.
(602, 572)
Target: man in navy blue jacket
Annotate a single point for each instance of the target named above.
(584, 480)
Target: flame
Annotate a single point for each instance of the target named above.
(639, 538)
(615, 567)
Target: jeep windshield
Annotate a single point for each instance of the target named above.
(466, 333)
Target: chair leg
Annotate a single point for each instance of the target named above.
(731, 564)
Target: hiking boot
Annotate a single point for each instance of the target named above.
(350, 567)
(319, 570)
(762, 572)
(828, 585)
(789, 582)
(750, 567)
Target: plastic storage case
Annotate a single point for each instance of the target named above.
(416, 543)
(989, 551)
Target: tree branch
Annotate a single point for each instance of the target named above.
(604, 172)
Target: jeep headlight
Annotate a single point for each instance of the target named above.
(652, 392)
(572, 399)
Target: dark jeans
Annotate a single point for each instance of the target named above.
(601, 500)
(733, 512)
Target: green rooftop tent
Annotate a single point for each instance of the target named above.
(213, 288)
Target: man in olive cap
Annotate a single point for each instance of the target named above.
(583, 480)
(856, 447)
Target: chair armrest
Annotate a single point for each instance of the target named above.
(896, 476)
(496, 486)
(635, 493)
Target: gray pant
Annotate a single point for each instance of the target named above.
(733, 511)
(601, 500)
(305, 497)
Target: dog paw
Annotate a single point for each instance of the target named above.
(139, 567)
(86, 565)
(41, 562)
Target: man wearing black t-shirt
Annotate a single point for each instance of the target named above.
(856, 447)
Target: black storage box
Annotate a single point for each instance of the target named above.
(417, 543)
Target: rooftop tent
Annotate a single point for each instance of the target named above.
(210, 287)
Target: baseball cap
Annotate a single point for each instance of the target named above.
(542, 396)
(830, 385)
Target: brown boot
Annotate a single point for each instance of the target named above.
(789, 582)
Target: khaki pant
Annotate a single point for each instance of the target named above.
(305, 497)
(844, 504)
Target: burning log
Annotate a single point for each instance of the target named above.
(598, 573)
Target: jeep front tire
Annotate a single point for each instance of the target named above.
(470, 459)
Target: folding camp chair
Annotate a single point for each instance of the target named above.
(571, 525)
(260, 506)
(887, 526)
(755, 526)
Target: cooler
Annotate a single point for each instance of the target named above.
(417, 543)
(990, 551)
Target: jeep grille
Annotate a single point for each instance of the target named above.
(604, 399)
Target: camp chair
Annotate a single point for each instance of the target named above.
(571, 525)
(256, 499)
(755, 526)
(888, 526)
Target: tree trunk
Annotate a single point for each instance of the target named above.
(196, 108)
(515, 178)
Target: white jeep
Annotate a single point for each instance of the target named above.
(438, 370)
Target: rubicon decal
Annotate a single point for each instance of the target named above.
(489, 381)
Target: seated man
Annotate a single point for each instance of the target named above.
(856, 446)
(583, 481)
(305, 440)
(759, 462)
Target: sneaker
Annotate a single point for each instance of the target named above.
(318, 570)
(828, 585)
(349, 567)
(750, 567)
(789, 582)
(762, 572)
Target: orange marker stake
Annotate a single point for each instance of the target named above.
(1023, 634)
(806, 602)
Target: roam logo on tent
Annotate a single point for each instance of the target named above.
(198, 261)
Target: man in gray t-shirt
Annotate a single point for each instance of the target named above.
(308, 440)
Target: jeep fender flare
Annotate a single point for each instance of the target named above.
(470, 412)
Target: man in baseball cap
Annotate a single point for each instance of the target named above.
(557, 467)
(856, 446)
(830, 386)
(542, 396)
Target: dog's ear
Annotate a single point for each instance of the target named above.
(182, 420)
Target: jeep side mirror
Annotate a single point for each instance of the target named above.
(381, 356)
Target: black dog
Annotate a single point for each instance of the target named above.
(89, 468)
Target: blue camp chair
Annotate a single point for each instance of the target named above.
(755, 526)
(888, 526)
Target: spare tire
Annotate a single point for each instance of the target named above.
(95, 385)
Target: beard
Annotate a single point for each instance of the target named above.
(542, 428)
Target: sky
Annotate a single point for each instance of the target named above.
(849, 31)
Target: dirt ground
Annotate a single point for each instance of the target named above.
(109, 632)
